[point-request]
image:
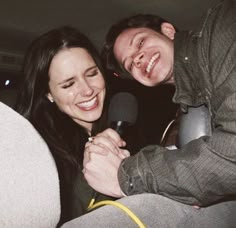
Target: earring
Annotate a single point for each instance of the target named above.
(49, 97)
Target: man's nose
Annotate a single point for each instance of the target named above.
(138, 59)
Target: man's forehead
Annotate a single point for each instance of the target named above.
(126, 36)
(125, 40)
(131, 32)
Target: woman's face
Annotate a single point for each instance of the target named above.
(77, 86)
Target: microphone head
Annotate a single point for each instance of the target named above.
(123, 107)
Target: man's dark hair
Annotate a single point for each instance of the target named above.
(138, 21)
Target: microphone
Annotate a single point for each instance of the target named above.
(122, 112)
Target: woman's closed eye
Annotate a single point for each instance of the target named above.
(68, 84)
(92, 73)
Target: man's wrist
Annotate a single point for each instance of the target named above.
(122, 193)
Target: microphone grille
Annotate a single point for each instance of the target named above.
(123, 107)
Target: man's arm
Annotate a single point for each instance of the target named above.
(201, 173)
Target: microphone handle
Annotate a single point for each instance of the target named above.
(119, 126)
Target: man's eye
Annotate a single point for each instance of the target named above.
(131, 66)
(140, 44)
(67, 85)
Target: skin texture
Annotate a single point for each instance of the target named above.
(77, 86)
(102, 159)
(148, 55)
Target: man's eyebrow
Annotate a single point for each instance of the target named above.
(134, 38)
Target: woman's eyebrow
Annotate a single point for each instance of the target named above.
(66, 80)
(90, 68)
(71, 78)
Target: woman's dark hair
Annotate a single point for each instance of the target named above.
(64, 137)
(138, 21)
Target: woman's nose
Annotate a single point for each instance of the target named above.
(85, 89)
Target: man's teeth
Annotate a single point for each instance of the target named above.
(89, 103)
(150, 64)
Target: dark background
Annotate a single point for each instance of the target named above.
(22, 21)
(156, 109)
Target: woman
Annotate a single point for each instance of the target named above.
(63, 95)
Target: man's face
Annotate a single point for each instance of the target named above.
(146, 54)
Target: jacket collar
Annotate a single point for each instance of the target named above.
(186, 80)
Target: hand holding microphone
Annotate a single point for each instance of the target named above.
(102, 159)
(104, 143)
(122, 113)
(103, 152)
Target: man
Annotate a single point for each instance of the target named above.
(203, 71)
(202, 66)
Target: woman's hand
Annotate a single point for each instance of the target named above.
(108, 141)
(101, 171)
(102, 158)
(104, 143)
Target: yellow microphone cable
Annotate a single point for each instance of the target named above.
(93, 205)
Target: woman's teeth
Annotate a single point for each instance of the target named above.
(87, 104)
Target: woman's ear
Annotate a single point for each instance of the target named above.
(50, 98)
(168, 30)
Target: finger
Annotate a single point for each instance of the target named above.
(123, 154)
(126, 153)
(100, 149)
(87, 144)
(107, 143)
(112, 134)
(86, 157)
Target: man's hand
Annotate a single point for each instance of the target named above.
(108, 141)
